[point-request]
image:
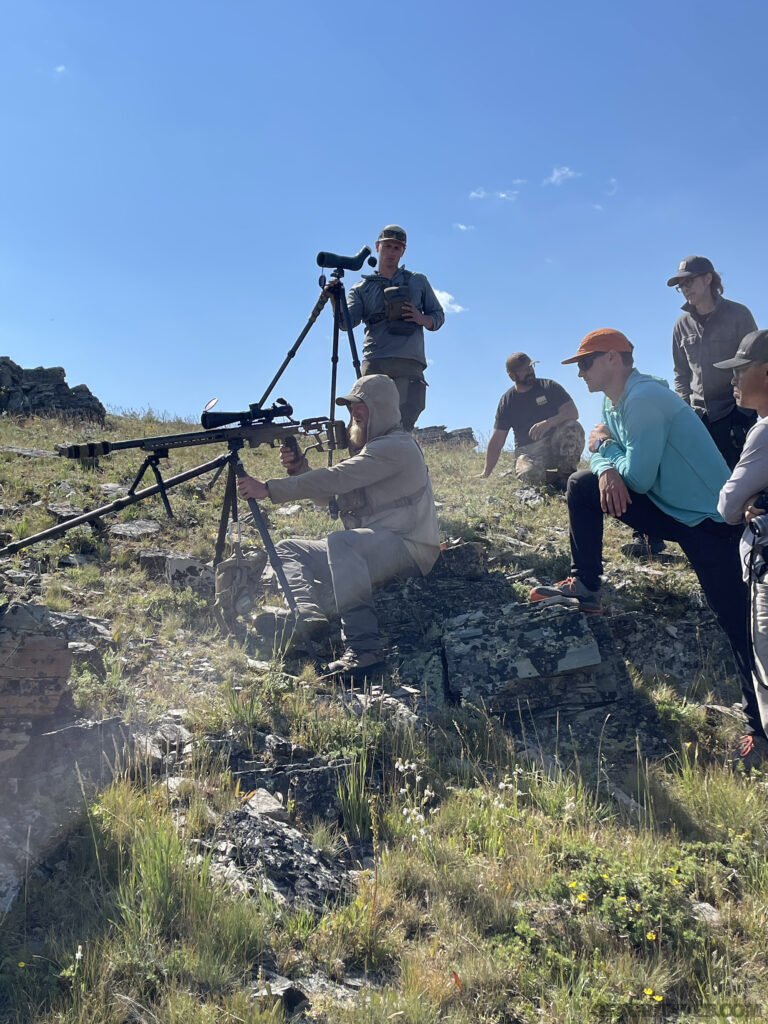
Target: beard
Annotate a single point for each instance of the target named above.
(358, 435)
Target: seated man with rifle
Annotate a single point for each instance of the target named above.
(390, 525)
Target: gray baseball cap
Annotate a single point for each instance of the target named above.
(753, 348)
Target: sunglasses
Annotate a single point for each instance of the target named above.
(686, 283)
(584, 362)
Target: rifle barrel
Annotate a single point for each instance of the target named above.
(253, 434)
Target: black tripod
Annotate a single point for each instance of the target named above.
(334, 290)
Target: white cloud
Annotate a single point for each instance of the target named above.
(559, 175)
(60, 69)
(511, 194)
(613, 187)
(597, 206)
(446, 301)
(464, 227)
(519, 181)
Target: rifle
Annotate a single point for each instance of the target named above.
(255, 427)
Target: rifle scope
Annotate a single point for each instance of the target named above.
(331, 259)
(253, 414)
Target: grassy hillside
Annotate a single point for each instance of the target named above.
(488, 887)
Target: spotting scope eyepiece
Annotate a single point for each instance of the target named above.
(332, 260)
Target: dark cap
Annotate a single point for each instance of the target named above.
(518, 359)
(753, 348)
(691, 266)
(393, 231)
(604, 339)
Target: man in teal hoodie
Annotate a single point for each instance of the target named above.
(655, 467)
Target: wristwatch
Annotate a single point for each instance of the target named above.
(600, 443)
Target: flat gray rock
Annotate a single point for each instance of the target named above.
(489, 652)
(136, 528)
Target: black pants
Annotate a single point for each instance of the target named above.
(712, 548)
(730, 432)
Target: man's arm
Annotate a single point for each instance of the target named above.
(355, 304)
(748, 478)
(493, 451)
(637, 458)
(682, 368)
(376, 462)
(567, 411)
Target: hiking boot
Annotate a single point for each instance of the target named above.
(353, 664)
(643, 547)
(569, 589)
(750, 752)
(281, 622)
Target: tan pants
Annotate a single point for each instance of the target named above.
(552, 459)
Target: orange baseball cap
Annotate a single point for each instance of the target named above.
(604, 339)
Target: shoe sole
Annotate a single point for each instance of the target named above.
(572, 602)
(355, 673)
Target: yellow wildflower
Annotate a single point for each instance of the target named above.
(648, 991)
(650, 935)
(571, 885)
(582, 896)
(658, 998)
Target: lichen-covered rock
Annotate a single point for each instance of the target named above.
(277, 859)
(491, 652)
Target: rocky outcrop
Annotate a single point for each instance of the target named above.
(44, 391)
(439, 435)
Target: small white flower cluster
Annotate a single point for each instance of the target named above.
(414, 817)
(506, 784)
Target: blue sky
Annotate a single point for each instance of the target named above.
(170, 171)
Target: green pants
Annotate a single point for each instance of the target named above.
(411, 386)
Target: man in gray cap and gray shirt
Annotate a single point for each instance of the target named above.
(708, 332)
(396, 307)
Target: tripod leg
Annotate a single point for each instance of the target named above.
(274, 560)
(319, 305)
(342, 302)
(228, 509)
(334, 368)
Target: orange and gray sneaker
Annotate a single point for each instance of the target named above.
(567, 590)
(750, 751)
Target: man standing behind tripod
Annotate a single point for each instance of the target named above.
(396, 305)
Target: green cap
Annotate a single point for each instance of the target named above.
(393, 231)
